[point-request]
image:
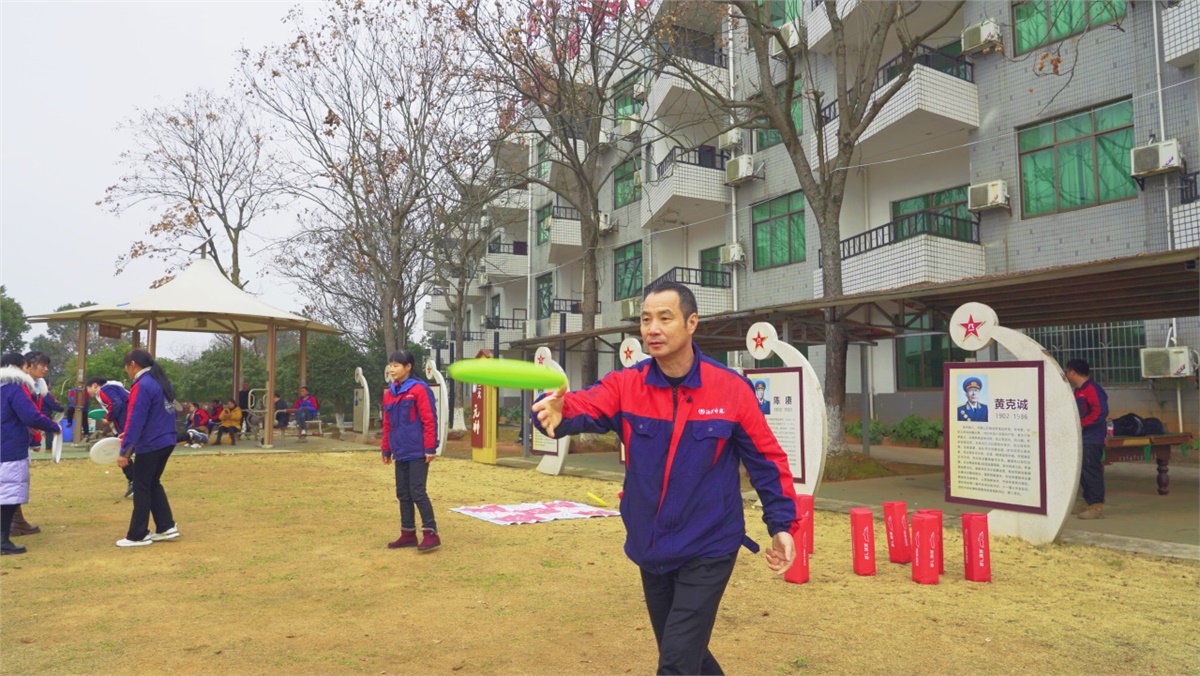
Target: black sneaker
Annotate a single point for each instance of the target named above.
(129, 490)
(10, 547)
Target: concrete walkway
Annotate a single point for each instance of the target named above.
(1136, 517)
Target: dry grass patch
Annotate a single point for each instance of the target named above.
(282, 569)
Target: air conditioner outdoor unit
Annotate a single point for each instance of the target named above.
(730, 139)
(789, 33)
(482, 280)
(631, 308)
(990, 195)
(732, 253)
(1156, 158)
(605, 223)
(629, 127)
(739, 170)
(1167, 362)
(981, 35)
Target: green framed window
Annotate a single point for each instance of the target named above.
(1077, 160)
(627, 188)
(543, 223)
(765, 138)
(543, 159)
(1112, 350)
(545, 295)
(627, 271)
(917, 215)
(919, 359)
(710, 266)
(783, 11)
(1037, 23)
(627, 104)
(494, 307)
(778, 227)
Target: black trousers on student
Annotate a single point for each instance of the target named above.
(149, 498)
(683, 608)
(1091, 477)
(411, 476)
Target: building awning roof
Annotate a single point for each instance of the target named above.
(1145, 286)
(198, 299)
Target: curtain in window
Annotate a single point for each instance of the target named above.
(1031, 29)
(1066, 18)
(1037, 182)
(1113, 165)
(1076, 174)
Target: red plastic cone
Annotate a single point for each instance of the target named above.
(927, 539)
(804, 507)
(798, 573)
(941, 554)
(977, 556)
(862, 540)
(895, 517)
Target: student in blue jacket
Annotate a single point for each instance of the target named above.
(686, 421)
(150, 434)
(113, 396)
(410, 442)
(18, 413)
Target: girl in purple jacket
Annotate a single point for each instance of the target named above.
(17, 414)
(149, 433)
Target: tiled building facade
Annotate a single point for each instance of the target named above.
(1059, 143)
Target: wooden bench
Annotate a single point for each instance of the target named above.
(1142, 449)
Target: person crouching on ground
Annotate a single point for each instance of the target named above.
(150, 434)
(410, 442)
(687, 421)
(197, 426)
(231, 422)
(17, 414)
(113, 396)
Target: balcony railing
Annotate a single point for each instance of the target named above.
(958, 66)
(503, 323)
(712, 279)
(565, 213)
(1188, 192)
(514, 248)
(713, 56)
(906, 227)
(468, 335)
(569, 306)
(708, 158)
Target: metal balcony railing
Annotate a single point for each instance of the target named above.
(713, 56)
(928, 222)
(503, 323)
(570, 306)
(468, 335)
(1188, 192)
(708, 158)
(514, 248)
(711, 279)
(565, 213)
(958, 66)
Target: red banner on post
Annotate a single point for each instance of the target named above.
(862, 540)
(895, 517)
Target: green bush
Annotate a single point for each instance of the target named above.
(915, 429)
(877, 428)
(512, 413)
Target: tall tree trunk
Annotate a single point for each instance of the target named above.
(836, 340)
(591, 300)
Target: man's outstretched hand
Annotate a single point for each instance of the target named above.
(549, 410)
(782, 553)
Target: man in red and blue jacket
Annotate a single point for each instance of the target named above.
(686, 422)
(1092, 401)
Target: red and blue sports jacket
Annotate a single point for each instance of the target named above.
(114, 397)
(309, 402)
(1092, 401)
(149, 418)
(682, 499)
(409, 421)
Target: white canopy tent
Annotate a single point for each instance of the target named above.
(198, 299)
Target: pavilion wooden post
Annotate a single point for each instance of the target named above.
(152, 336)
(269, 423)
(237, 365)
(80, 395)
(136, 340)
(304, 357)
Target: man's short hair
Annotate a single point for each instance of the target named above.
(687, 299)
(37, 358)
(96, 380)
(1079, 366)
(13, 359)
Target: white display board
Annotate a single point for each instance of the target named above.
(553, 451)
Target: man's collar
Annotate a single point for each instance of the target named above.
(656, 377)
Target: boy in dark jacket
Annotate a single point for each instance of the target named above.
(1093, 417)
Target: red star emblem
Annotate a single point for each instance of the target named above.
(628, 353)
(971, 327)
(541, 359)
(759, 340)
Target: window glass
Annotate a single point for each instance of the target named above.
(1038, 193)
(543, 155)
(1112, 165)
(628, 271)
(543, 223)
(779, 237)
(1038, 23)
(1076, 175)
(626, 188)
(545, 295)
(1036, 137)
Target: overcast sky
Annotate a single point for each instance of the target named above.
(71, 72)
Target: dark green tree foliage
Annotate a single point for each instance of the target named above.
(210, 376)
(12, 324)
